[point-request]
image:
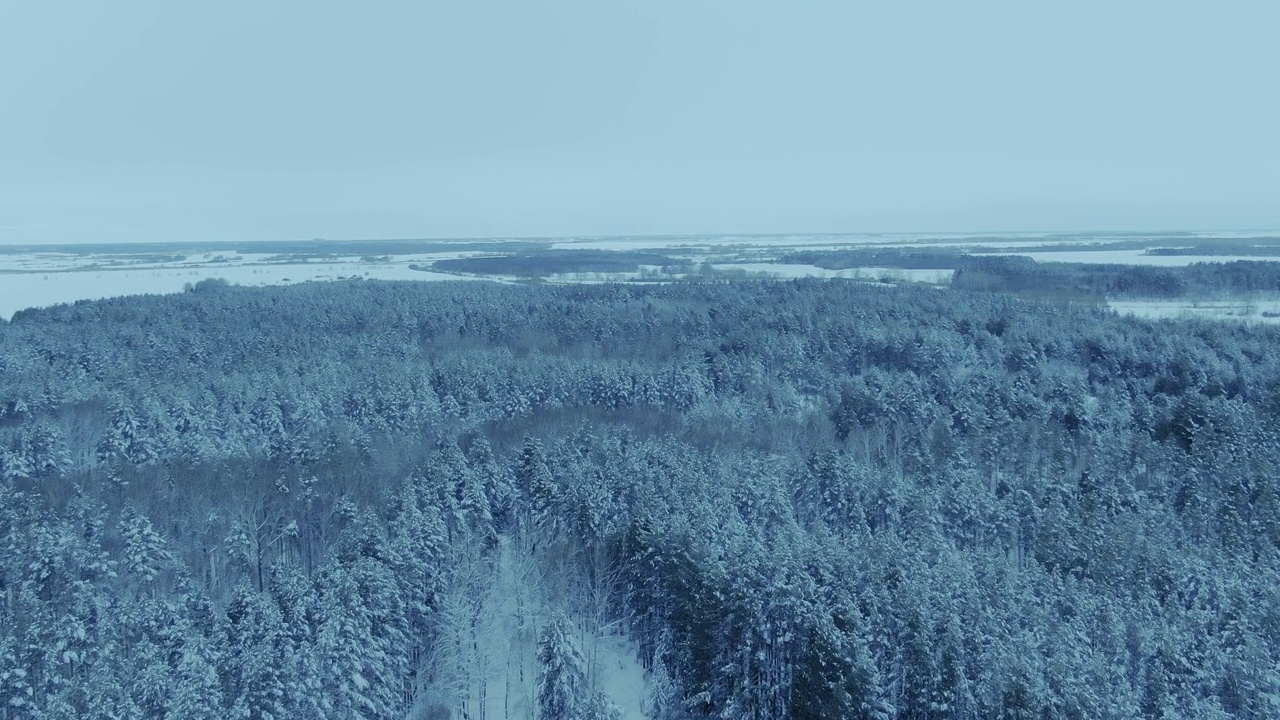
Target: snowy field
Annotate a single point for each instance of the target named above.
(40, 281)
(22, 290)
(1265, 311)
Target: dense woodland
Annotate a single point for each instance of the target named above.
(809, 499)
(1063, 280)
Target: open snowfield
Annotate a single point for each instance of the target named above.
(31, 281)
(1266, 311)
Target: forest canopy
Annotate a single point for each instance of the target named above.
(807, 499)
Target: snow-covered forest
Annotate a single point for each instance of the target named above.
(754, 499)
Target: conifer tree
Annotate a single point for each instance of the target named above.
(562, 678)
(144, 550)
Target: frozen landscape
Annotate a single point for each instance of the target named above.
(646, 360)
(32, 276)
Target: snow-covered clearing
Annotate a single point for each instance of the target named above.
(22, 290)
(486, 666)
(1267, 311)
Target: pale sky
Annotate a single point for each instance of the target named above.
(172, 120)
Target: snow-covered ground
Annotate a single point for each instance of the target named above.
(492, 619)
(67, 279)
(1267, 311)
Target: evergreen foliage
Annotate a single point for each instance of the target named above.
(803, 499)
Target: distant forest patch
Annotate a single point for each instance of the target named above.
(931, 259)
(1025, 276)
(1261, 246)
(557, 261)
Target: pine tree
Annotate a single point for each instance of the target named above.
(17, 695)
(562, 680)
(144, 550)
(252, 672)
(418, 540)
(362, 641)
(598, 707)
(195, 692)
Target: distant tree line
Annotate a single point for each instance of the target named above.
(1026, 276)
(558, 261)
(1056, 280)
(1259, 246)
(899, 258)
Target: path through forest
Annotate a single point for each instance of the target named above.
(491, 621)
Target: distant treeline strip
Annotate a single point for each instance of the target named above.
(1025, 276)
(557, 261)
(1082, 280)
(1270, 247)
(933, 259)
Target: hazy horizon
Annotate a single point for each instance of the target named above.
(855, 237)
(145, 121)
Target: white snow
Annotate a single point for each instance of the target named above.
(1242, 310)
(40, 279)
(488, 666)
(29, 289)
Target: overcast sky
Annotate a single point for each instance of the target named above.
(166, 120)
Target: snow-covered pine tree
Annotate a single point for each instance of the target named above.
(196, 692)
(598, 707)
(562, 682)
(251, 670)
(144, 549)
(535, 480)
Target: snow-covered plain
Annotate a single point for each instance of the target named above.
(66, 279)
(1262, 311)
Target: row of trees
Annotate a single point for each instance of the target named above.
(1068, 280)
